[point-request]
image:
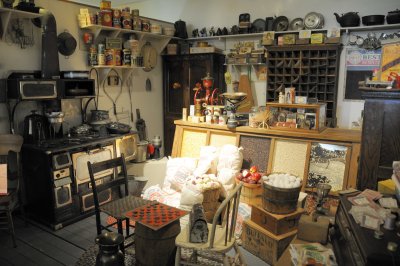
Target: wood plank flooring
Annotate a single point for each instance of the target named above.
(40, 245)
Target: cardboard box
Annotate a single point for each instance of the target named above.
(276, 223)
(264, 244)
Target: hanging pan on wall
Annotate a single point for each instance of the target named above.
(66, 43)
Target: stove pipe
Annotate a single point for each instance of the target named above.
(50, 63)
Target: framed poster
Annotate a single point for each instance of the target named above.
(327, 165)
(359, 65)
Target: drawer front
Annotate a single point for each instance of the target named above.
(347, 234)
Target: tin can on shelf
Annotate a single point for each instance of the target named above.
(101, 59)
(117, 18)
(105, 4)
(99, 17)
(126, 57)
(135, 12)
(146, 25)
(118, 57)
(136, 23)
(101, 48)
(110, 57)
(92, 59)
(106, 18)
(126, 19)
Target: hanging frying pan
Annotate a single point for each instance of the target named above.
(296, 24)
(66, 43)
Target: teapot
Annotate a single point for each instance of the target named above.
(350, 19)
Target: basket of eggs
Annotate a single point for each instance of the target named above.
(252, 188)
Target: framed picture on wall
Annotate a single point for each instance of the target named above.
(327, 165)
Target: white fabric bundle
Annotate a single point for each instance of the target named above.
(282, 180)
(178, 170)
(208, 161)
(230, 157)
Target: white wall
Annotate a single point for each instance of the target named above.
(225, 13)
(15, 58)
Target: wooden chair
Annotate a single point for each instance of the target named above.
(118, 207)
(10, 146)
(221, 237)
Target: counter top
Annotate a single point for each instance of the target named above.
(333, 134)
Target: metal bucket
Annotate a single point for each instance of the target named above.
(141, 154)
(136, 185)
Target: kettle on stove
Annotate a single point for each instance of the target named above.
(36, 128)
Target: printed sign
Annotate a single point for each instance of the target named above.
(360, 59)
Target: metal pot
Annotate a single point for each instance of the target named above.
(350, 19)
(393, 17)
(99, 115)
(141, 154)
(373, 20)
(55, 117)
(66, 43)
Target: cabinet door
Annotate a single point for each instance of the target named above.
(169, 131)
(175, 85)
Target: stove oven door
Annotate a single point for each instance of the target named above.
(127, 145)
(62, 191)
(80, 159)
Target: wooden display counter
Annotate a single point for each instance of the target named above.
(328, 156)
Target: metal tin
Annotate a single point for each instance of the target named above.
(127, 22)
(118, 57)
(110, 57)
(99, 18)
(93, 49)
(92, 59)
(117, 18)
(146, 25)
(105, 4)
(135, 12)
(101, 48)
(136, 23)
(101, 59)
(127, 57)
(106, 18)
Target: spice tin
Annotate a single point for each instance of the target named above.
(92, 60)
(136, 23)
(110, 57)
(127, 57)
(105, 4)
(101, 59)
(93, 49)
(101, 48)
(118, 57)
(106, 18)
(117, 18)
(126, 20)
(99, 17)
(135, 12)
(146, 25)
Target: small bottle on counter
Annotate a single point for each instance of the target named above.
(252, 116)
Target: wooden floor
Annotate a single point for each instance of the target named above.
(40, 245)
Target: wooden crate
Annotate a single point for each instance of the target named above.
(263, 244)
(276, 223)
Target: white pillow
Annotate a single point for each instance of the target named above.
(230, 157)
(178, 170)
(208, 161)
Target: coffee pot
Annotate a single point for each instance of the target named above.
(35, 128)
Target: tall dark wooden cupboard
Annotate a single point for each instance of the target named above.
(380, 139)
(180, 74)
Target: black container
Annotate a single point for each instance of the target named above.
(373, 20)
(180, 29)
(393, 17)
(109, 252)
(269, 21)
(36, 128)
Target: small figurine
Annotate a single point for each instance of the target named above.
(212, 31)
(225, 31)
(219, 32)
(195, 33)
(235, 29)
(203, 32)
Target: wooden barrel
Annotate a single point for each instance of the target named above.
(156, 247)
(280, 200)
(251, 193)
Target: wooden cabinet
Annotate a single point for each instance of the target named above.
(311, 69)
(355, 245)
(180, 74)
(380, 138)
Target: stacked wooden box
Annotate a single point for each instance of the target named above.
(267, 235)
